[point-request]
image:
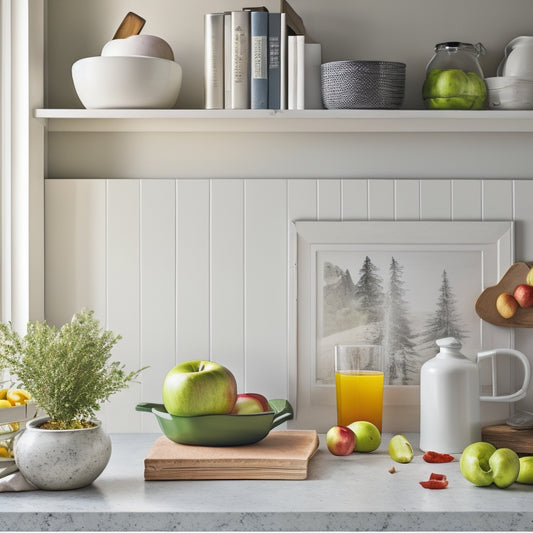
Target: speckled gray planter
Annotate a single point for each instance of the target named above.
(61, 459)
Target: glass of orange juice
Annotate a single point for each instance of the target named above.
(359, 383)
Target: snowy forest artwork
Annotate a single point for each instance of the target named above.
(403, 300)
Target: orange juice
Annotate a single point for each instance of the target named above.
(359, 397)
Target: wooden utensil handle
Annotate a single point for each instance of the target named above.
(131, 25)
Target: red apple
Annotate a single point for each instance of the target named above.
(250, 403)
(523, 294)
(340, 440)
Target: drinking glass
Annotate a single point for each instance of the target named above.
(359, 383)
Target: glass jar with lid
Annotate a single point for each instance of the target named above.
(454, 78)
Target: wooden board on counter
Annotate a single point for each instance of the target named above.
(280, 455)
(504, 436)
(486, 302)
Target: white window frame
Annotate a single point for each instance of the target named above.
(21, 161)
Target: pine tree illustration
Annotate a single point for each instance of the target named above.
(445, 321)
(398, 340)
(369, 292)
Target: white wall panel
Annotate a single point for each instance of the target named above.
(123, 295)
(497, 199)
(75, 249)
(158, 288)
(329, 199)
(354, 200)
(227, 276)
(266, 287)
(193, 270)
(407, 199)
(435, 200)
(381, 200)
(466, 200)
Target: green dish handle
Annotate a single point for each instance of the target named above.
(148, 406)
(283, 410)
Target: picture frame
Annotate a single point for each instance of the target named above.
(427, 259)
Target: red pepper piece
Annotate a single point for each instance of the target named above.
(435, 457)
(434, 484)
(437, 477)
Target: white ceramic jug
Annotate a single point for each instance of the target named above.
(518, 58)
(449, 397)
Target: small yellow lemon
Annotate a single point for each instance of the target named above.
(3, 393)
(4, 452)
(5, 403)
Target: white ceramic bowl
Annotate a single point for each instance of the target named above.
(127, 82)
(139, 45)
(508, 92)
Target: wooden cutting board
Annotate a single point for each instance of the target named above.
(504, 436)
(280, 455)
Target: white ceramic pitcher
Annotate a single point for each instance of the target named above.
(518, 58)
(449, 397)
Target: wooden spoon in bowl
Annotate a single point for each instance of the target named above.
(131, 25)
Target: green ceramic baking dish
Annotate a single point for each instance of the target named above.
(219, 430)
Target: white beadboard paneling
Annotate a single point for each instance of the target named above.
(407, 199)
(466, 200)
(227, 276)
(193, 270)
(302, 200)
(435, 200)
(158, 288)
(523, 205)
(381, 200)
(354, 199)
(497, 200)
(266, 287)
(75, 249)
(329, 199)
(123, 296)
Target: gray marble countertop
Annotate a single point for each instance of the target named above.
(356, 492)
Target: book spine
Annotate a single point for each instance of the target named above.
(291, 72)
(214, 61)
(283, 62)
(240, 59)
(227, 60)
(300, 72)
(274, 61)
(259, 59)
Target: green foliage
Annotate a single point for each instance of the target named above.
(67, 371)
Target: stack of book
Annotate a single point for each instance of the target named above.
(255, 59)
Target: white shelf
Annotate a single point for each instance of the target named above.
(271, 121)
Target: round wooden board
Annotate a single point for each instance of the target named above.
(486, 302)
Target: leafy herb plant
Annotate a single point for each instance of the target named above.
(68, 370)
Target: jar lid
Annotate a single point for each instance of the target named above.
(477, 48)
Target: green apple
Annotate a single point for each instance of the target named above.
(474, 463)
(367, 436)
(505, 466)
(526, 470)
(400, 449)
(199, 387)
(454, 89)
(340, 440)
(482, 464)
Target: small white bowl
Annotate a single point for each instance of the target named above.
(127, 82)
(139, 45)
(509, 92)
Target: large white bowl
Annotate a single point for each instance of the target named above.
(509, 92)
(127, 82)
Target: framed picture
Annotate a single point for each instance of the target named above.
(401, 284)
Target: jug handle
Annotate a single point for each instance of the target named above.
(519, 394)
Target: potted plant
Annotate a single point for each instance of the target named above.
(69, 374)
